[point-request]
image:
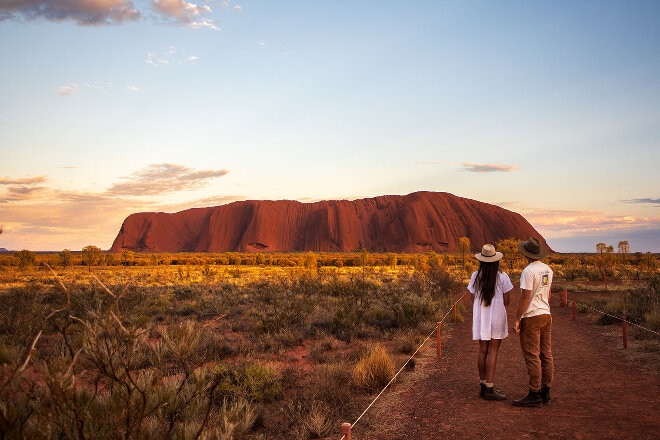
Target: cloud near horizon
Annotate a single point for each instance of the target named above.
(74, 219)
(27, 181)
(562, 223)
(164, 178)
(644, 201)
(487, 167)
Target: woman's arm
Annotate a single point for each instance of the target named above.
(507, 298)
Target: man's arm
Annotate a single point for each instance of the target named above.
(523, 302)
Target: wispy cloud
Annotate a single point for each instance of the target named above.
(18, 190)
(27, 181)
(110, 12)
(572, 222)
(69, 90)
(83, 12)
(75, 88)
(487, 167)
(164, 178)
(172, 55)
(189, 14)
(645, 201)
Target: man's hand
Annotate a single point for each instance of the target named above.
(523, 302)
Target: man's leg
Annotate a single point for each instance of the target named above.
(530, 338)
(547, 361)
(530, 335)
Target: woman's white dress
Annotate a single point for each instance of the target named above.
(490, 322)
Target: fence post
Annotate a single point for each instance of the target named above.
(625, 333)
(438, 338)
(573, 310)
(346, 431)
(563, 298)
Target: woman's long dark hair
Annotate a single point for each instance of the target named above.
(486, 280)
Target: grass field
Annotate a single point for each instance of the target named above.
(237, 346)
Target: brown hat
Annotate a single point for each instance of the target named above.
(488, 254)
(533, 249)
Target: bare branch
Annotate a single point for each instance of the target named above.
(104, 287)
(54, 312)
(119, 322)
(75, 318)
(27, 358)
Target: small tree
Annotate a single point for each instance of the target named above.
(91, 256)
(65, 258)
(464, 248)
(127, 258)
(601, 248)
(391, 259)
(509, 247)
(25, 259)
(624, 248)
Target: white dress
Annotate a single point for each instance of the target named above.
(490, 322)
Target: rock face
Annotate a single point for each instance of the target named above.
(416, 222)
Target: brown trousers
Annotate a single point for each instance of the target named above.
(536, 344)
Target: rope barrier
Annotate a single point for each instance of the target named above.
(616, 317)
(347, 436)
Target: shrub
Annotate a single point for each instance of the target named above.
(330, 383)
(374, 370)
(253, 381)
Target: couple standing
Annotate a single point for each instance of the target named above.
(491, 289)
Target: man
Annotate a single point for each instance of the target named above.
(533, 322)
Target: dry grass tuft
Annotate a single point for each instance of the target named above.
(374, 370)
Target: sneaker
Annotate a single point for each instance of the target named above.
(493, 394)
(532, 399)
(483, 390)
(545, 394)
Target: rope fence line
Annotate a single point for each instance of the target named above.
(620, 318)
(346, 427)
(563, 295)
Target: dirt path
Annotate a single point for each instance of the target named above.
(597, 393)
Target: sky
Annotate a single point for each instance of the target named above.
(550, 109)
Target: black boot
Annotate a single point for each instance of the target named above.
(532, 399)
(545, 394)
(483, 390)
(493, 394)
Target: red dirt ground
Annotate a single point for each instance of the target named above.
(599, 392)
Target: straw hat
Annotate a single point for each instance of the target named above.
(533, 249)
(488, 254)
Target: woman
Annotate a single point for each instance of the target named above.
(490, 287)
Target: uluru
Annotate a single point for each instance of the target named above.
(417, 222)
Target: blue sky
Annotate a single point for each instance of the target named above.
(548, 108)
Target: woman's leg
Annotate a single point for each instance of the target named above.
(482, 358)
(491, 359)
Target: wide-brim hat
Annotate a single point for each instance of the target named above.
(532, 248)
(488, 254)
